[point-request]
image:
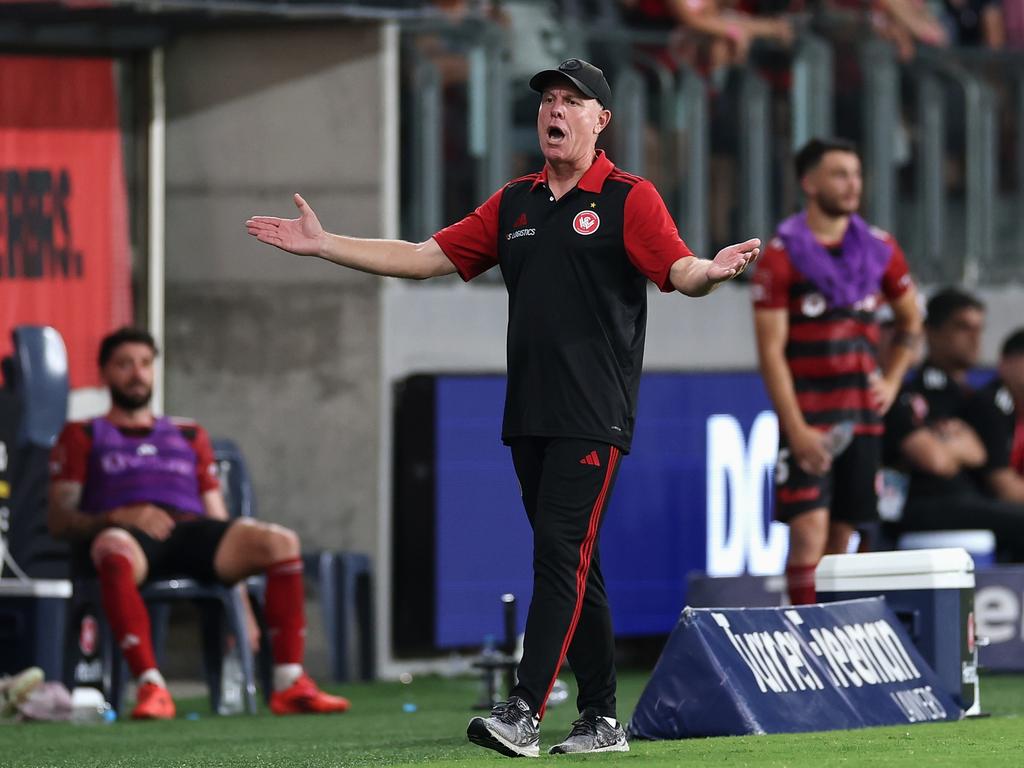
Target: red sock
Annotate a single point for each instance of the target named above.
(285, 611)
(126, 613)
(800, 584)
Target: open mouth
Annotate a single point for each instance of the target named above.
(555, 134)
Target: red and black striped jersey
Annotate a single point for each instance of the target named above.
(832, 351)
(69, 458)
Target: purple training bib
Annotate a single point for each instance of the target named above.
(158, 468)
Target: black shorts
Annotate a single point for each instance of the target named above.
(849, 490)
(187, 552)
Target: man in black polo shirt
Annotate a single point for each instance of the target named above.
(576, 244)
(996, 412)
(926, 434)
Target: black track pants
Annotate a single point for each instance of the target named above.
(566, 485)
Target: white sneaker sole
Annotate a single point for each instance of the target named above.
(482, 736)
(557, 750)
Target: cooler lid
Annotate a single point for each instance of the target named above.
(915, 562)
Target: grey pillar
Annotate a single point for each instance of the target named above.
(812, 90)
(691, 204)
(881, 119)
(755, 156)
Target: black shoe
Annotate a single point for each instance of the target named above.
(592, 733)
(510, 730)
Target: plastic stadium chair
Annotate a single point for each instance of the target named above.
(36, 389)
(345, 585)
(40, 371)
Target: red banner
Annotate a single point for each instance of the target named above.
(64, 252)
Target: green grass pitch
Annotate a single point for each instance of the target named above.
(379, 732)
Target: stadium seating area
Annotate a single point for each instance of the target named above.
(937, 112)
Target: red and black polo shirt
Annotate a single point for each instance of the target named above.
(832, 351)
(576, 271)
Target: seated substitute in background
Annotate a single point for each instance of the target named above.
(996, 413)
(139, 498)
(926, 434)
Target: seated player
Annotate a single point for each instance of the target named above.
(996, 412)
(927, 436)
(139, 498)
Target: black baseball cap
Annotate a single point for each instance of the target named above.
(584, 75)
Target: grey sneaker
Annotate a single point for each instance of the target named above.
(592, 733)
(510, 730)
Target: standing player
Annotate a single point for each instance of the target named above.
(576, 244)
(815, 294)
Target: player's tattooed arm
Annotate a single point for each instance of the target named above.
(63, 517)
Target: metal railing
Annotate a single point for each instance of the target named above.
(969, 229)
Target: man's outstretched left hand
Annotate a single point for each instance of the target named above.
(732, 260)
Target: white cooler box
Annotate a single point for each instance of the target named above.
(932, 593)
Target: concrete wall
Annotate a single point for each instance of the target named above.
(279, 352)
(454, 327)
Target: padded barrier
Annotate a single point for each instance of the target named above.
(731, 672)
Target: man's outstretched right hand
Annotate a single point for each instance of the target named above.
(302, 235)
(148, 518)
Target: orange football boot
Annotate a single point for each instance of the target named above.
(303, 697)
(154, 703)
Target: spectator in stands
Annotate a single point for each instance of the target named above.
(815, 294)
(712, 37)
(926, 435)
(914, 20)
(1013, 23)
(447, 47)
(996, 413)
(905, 23)
(975, 23)
(711, 34)
(139, 498)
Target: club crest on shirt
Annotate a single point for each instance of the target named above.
(934, 379)
(813, 305)
(1004, 401)
(586, 222)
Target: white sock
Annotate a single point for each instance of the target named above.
(152, 675)
(285, 675)
(611, 721)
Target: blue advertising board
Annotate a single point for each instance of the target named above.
(999, 617)
(694, 494)
(730, 672)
